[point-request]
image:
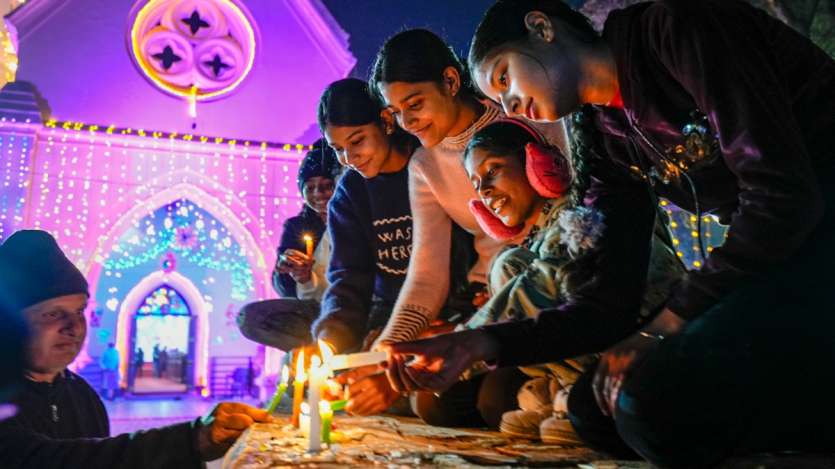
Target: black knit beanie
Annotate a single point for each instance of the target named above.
(319, 162)
(34, 269)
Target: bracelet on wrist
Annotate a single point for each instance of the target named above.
(650, 335)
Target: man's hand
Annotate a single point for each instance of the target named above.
(297, 264)
(438, 361)
(219, 429)
(368, 391)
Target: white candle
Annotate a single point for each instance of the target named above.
(304, 420)
(356, 360)
(318, 374)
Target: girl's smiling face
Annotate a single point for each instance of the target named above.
(427, 110)
(363, 148)
(537, 78)
(502, 185)
(317, 192)
(520, 84)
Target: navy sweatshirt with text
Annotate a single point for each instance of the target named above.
(370, 225)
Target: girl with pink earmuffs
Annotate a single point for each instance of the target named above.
(524, 185)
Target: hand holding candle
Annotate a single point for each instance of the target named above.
(308, 245)
(297, 264)
(280, 389)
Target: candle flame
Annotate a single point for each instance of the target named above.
(325, 407)
(326, 350)
(334, 388)
(285, 374)
(300, 367)
(307, 237)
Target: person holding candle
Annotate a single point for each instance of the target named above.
(370, 223)
(60, 422)
(371, 229)
(294, 275)
(303, 256)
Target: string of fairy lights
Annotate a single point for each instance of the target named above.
(192, 235)
(79, 180)
(112, 129)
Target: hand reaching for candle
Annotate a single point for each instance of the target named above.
(297, 264)
(368, 391)
(219, 429)
(438, 361)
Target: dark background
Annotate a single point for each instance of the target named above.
(370, 22)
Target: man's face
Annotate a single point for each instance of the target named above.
(57, 330)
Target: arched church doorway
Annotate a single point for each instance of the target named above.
(162, 344)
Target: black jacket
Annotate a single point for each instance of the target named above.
(64, 425)
(768, 97)
(767, 94)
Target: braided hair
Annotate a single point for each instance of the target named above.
(580, 271)
(583, 135)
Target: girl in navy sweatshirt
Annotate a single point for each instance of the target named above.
(370, 225)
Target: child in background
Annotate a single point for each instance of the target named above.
(285, 323)
(297, 275)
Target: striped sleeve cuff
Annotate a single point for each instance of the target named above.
(406, 324)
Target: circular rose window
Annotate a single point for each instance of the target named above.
(197, 49)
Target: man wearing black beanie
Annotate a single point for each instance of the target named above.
(60, 421)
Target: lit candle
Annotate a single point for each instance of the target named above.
(298, 389)
(279, 390)
(356, 360)
(308, 244)
(317, 380)
(334, 389)
(326, 413)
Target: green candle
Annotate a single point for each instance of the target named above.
(279, 391)
(338, 405)
(326, 413)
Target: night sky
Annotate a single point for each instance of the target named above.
(371, 22)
